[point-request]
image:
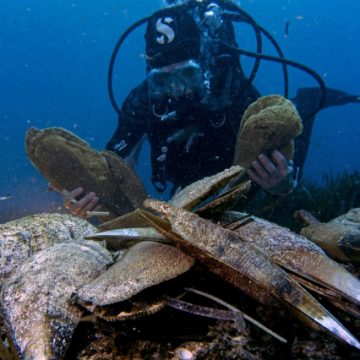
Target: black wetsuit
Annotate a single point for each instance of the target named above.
(199, 142)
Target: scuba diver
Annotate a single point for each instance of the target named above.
(192, 100)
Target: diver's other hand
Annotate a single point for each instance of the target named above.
(88, 202)
(269, 173)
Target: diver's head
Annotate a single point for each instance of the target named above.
(172, 54)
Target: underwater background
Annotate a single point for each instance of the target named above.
(54, 58)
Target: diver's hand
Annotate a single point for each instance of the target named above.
(88, 202)
(269, 173)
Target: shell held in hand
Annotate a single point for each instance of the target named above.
(68, 162)
(269, 124)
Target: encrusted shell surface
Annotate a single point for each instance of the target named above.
(38, 315)
(199, 190)
(20, 239)
(269, 123)
(340, 237)
(129, 183)
(352, 217)
(68, 162)
(300, 255)
(145, 264)
(129, 220)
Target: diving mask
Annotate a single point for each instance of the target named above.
(175, 80)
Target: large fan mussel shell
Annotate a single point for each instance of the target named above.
(68, 162)
(39, 316)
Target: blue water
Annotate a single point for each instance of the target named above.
(54, 59)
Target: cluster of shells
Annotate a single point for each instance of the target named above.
(57, 270)
(50, 274)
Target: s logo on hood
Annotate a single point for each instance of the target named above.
(168, 34)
